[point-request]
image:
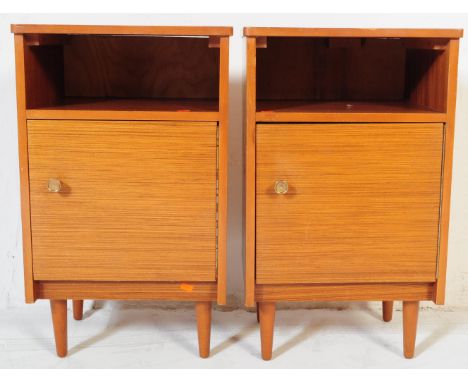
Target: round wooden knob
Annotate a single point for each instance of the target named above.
(54, 185)
(281, 187)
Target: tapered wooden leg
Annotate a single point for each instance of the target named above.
(258, 314)
(59, 321)
(203, 311)
(267, 323)
(78, 310)
(387, 309)
(410, 323)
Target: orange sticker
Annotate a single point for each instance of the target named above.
(186, 287)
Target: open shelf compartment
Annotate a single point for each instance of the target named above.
(121, 76)
(319, 78)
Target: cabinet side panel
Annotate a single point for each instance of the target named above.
(447, 172)
(250, 173)
(24, 168)
(427, 78)
(44, 75)
(223, 167)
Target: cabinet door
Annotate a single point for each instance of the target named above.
(137, 202)
(362, 203)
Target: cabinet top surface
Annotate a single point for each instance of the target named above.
(122, 30)
(352, 32)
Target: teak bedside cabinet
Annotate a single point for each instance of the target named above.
(349, 140)
(123, 163)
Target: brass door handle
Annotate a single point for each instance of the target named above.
(54, 185)
(281, 187)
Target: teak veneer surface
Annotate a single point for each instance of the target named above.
(134, 104)
(122, 30)
(138, 201)
(344, 111)
(223, 164)
(249, 157)
(304, 106)
(24, 169)
(352, 32)
(344, 292)
(140, 67)
(362, 206)
(452, 69)
(127, 290)
(129, 108)
(314, 69)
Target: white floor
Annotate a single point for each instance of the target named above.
(151, 337)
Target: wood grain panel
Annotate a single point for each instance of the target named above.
(447, 171)
(121, 290)
(44, 75)
(312, 69)
(249, 145)
(134, 109)
(352, 32)
(136, 66)
(344, 111)
(426, 78)
(345, 292)
(223, 163)
(138, 200)
(363, 203)
(167, 30)
(29, 287)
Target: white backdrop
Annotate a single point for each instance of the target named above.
(11, 271)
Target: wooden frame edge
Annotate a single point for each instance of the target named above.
(223, 163)
(249, 134)
(352, 32)
(29, 286)
(123, 115)
(271, 116)
(439, 295)
(345, 292)
(122, 30)
(127, 290)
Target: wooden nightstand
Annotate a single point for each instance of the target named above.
(123, 156)
(349, 140)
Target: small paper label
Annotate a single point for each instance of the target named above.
(186, 287)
